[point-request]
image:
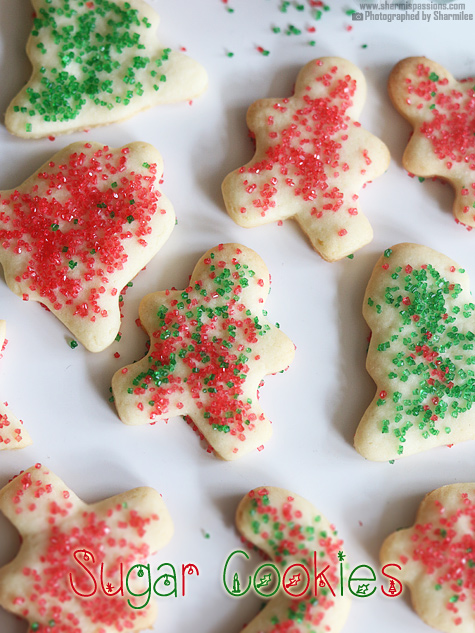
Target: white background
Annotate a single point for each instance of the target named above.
(62, 394)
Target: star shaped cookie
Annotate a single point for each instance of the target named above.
(442, 113)
(289, 529)
(80, 228)
(12, 432)
(211, 344)
(65, 541)
(312, 158)
(97, 62)
(437, 556)
(421, 355)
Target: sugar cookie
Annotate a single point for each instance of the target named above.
(437, 556)
(421, 355)
(12, 432)
(96, 63)
(312, 158)
(80, 228)
(442, 113)
(62, 537)
(211, 345)
(289, 529)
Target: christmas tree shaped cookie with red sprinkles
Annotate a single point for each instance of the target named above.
(80, 228)
(312, 158)
(421, 355)
(442, 113)
(437, 557)
(211, 345)
(291, 531)
(72, 570)
(97, 62)
(12, 432)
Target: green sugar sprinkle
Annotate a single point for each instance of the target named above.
(73, 344)
(89, 44)
(431, 353)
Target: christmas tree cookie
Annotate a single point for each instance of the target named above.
(291, 531)
(80, 228)
(211, 344)
(312, 158)
(80, 567)
(12, 432)
(421, 355)
(442, 113)
(97, 62)
(437, 558)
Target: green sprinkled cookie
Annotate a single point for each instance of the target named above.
(97, 62)
(304, 547)
(421, 355)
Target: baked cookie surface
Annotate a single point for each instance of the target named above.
(12, 432)
(442, 113)
(421, 354)
(437, 557)
(289, 529)
(96, 63)
(80, 228)
(46, 583)
(312, 158)
(211, 345)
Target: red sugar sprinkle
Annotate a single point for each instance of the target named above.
(72, 225)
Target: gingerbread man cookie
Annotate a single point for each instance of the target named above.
(421, 355)
(211, 345)
(291, 531)
(81, 227)
(442, 113)
(312, 158)
(12, 432)
(437, 557)
(72, 570)
(96, 63)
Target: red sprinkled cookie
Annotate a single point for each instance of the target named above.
(80, 228)
(211, 345)
(12, 432)
(442, 112)
(64, 544)
(437, 556)
(96, 63)
(421, 355)
(289, 530)
(312, 158)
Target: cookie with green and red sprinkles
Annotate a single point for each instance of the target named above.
(442, 113)
(80, 228)
(421, 354)
(291, 531)
(211, 345)
(97, 62)
(437, 557)
(312, 158)
(12, 432)
(69, 575)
